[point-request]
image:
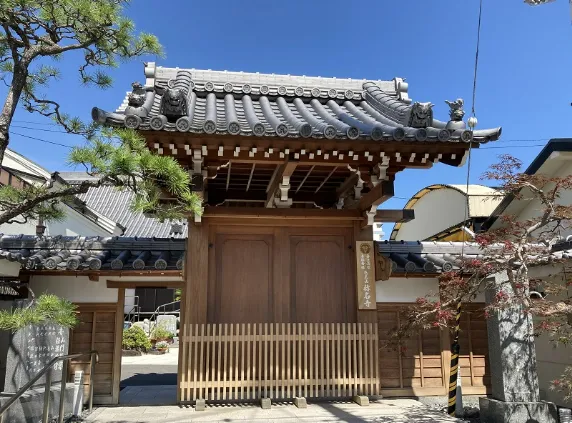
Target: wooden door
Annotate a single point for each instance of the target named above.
(320, 279)
(244, 278)
(97, 331)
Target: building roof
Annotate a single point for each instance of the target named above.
(556, 145)
(93, 253)
(430, 257)
(241, 103)
(434, 257)
(115, 204)
(481, 201)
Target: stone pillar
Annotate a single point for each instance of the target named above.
(512, 362)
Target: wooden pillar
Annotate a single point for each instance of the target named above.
(194, 299)
(365, 234)
(196, 273)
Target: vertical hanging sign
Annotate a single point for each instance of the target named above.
(365, 275)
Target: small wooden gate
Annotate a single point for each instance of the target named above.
(278, 360)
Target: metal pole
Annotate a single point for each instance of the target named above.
(455, 348)
(46, 415)
(91, 381)
(63, 391)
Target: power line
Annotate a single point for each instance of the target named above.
(42, 129)
(42, 140)
(35, 123)
(509, 146)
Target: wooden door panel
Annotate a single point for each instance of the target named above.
(244, 278)
(319, 279)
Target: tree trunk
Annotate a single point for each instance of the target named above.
(12, 99)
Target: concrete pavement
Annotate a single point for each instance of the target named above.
(382, 411)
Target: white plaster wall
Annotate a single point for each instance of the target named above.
(407, 290)
(434, 212)
(404, 290)
(73, 224)
(9, 268)
(77, 289)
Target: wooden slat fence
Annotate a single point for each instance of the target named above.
(233, 362)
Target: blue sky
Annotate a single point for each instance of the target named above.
(524, 80)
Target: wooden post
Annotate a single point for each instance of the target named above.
(365, 234)
(194, 299)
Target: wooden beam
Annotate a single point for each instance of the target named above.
(258, 212)
(348, 184)
(380, 193)
(250, 177)
(326, 179)
(228, 175)
(145, 284)
(286, 169)
(196, 274)
(397, 216)
(305, 177)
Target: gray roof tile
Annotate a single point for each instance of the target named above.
(253, 104)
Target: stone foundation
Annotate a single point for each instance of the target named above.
(30, 406)
(495, 411)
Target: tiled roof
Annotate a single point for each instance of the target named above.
(239, 103)
(438, 256)
(426, 257)
(115, 205)
(93, 253)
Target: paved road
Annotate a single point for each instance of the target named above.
(150, 369)
(382, 411)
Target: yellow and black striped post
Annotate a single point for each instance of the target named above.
(455, 348)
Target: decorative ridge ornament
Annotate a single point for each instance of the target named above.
(421, 115)
(456, 112)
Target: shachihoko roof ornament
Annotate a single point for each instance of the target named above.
(284, 106)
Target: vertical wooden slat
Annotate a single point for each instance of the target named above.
(337, 367)
(258, 329)
(243, 340)
(344, 380)
(207, 371)
(286, 350)
(311, 368)
(376, 361)
(248, 362)
(327, 376)
(188, 361)
(225, 360)
(354, 359)
(285, 361)
(195, 353)
(231, 341)
(359, 360)
(218, 365)
(372, 358)
(201, 394)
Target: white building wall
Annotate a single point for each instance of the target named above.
(79, 289)
(74, 224)
(407, 290)
(434, 212)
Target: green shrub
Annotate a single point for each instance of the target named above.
(159, 333)
(47, 308)
(134, 338)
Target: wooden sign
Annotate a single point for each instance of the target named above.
(365, 275)
(382, 267)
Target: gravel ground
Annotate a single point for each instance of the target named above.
(470, 405)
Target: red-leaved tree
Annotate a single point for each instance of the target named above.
(516, 247)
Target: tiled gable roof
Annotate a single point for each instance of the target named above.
(239, 103)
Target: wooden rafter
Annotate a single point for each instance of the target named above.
(250, 177)
(228, 175)
(305, 177)
(326, 179)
